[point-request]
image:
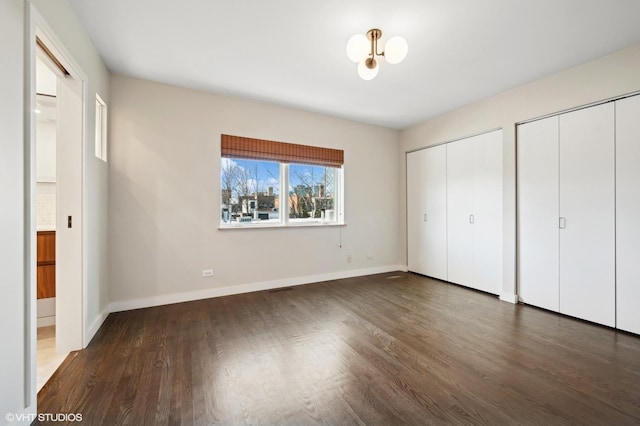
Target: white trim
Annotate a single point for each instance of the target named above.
(509, 297)
(101, 126)
(95, 325)
(314, 223)
(46, 321)
(166, 299)
(30, 320)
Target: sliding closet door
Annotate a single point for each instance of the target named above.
(416, 211)
(538, 211)
(628, 213)
(487, 212)
(436, 212)
(460, 177)
(587, 210)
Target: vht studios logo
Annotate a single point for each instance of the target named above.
(43, 417)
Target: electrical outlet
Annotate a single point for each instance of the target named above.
(348, 258)
(207, 273)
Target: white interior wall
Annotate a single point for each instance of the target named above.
(14, 374)
(607, 77)
(164, 198)
(60, 17)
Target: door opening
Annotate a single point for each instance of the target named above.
(58, 146)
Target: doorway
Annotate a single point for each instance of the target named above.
(58, 186)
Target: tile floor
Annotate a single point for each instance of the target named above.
(47, 359)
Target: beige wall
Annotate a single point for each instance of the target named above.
(610, 76)
(164, 198)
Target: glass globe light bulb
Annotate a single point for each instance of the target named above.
(358, 48)
(395, 50)
(368, 68)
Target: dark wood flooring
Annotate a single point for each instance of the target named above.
(379, 350)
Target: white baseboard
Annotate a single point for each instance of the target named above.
(46, 321)
(95, 325)
(166, 299)
(509, 297)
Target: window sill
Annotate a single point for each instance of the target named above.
(314, 224)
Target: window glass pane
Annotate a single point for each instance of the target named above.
(312, 191)
(250, 190)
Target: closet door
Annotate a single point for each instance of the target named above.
(459, 211)
(538, 211)
(587, 210)
(416, 211)
(628, 214)
(436, 212)
(487, 212)
(427, 211)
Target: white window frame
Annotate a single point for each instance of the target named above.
(285, 220)
(101, 129)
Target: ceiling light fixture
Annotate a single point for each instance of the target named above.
(364, 50)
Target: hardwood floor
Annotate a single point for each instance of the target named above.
(379, 350)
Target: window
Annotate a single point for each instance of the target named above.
(312, 192)
(250, 190)
(275, 183)
(101, 129)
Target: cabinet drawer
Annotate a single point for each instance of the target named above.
(46, 281)
(46, 243)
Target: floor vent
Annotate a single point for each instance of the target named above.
(277, 290)
(394, 277)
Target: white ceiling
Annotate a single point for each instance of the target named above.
(292, 52)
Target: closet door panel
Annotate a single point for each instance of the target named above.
(436, 219)
(587, 202)
(416, 211)
(538, 211)
(459, 211)
(487, 212)
(628, 214)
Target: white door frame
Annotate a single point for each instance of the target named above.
(76, 338)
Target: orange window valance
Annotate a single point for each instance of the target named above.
(283, 152)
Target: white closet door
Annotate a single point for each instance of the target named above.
(628, 214)
(487, 212)
(436, 212)
(459, 211)
(538, 211)
(587, 206)
(416, 211)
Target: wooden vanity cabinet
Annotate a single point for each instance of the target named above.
(46, 255)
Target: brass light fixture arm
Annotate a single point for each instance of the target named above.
(374, 35)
